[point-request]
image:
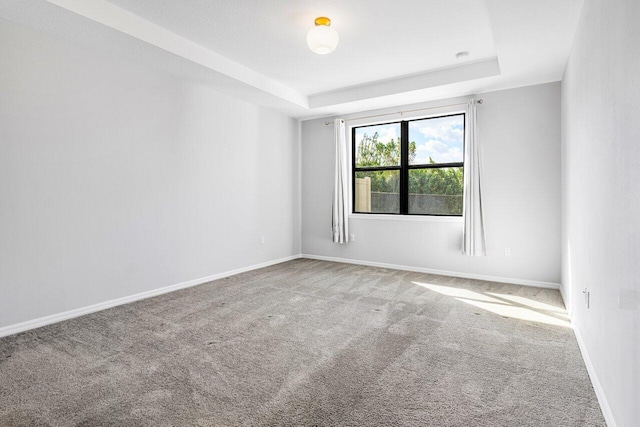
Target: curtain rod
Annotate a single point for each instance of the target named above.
(480, 101)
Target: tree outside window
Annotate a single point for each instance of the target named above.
(409, 167)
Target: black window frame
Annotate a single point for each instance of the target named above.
(404, 166)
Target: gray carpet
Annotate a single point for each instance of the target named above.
(307, 343)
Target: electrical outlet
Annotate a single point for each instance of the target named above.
(507, 251)
(262, 240)
(352, 237)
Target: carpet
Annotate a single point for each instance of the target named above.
(307, 343)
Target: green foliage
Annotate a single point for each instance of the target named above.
(439, 181)
(446, 181)
(371, 152)
(433, 181)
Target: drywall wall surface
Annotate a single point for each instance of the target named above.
(116, 179)
(520, 144)
(601, 200)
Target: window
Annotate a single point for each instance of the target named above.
(410, 167)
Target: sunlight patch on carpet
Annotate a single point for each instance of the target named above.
(512, 306)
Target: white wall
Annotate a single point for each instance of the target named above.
(520, 137)
(601, 200)
(116, 179)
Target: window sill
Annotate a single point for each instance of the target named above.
(412, 218)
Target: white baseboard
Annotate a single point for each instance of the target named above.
(524, 282)
(602, 399)
(55, 318)
(59, 317)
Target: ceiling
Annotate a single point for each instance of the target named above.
(390, 52)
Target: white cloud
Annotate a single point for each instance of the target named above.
(435, 146)
(453, 154)
(438, 151)
(440, 138)
(385, 132)
(445, 129)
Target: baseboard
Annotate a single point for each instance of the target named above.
(59, 317)
(537, 284)
(55, 318)
(602, 399)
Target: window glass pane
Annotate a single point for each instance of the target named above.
(436, 191)
(378, 145)
(377, 192)
(437, 140)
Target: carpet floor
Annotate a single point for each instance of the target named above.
(307, 343)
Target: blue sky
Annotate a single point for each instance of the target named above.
(441, 138)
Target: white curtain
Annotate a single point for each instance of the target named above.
(473, 243)
(340, 216)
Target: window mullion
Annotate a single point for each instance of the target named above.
(353, 169)
(404, 167)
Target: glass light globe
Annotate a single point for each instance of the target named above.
(322, 39)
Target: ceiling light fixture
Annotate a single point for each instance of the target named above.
(322, 39)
